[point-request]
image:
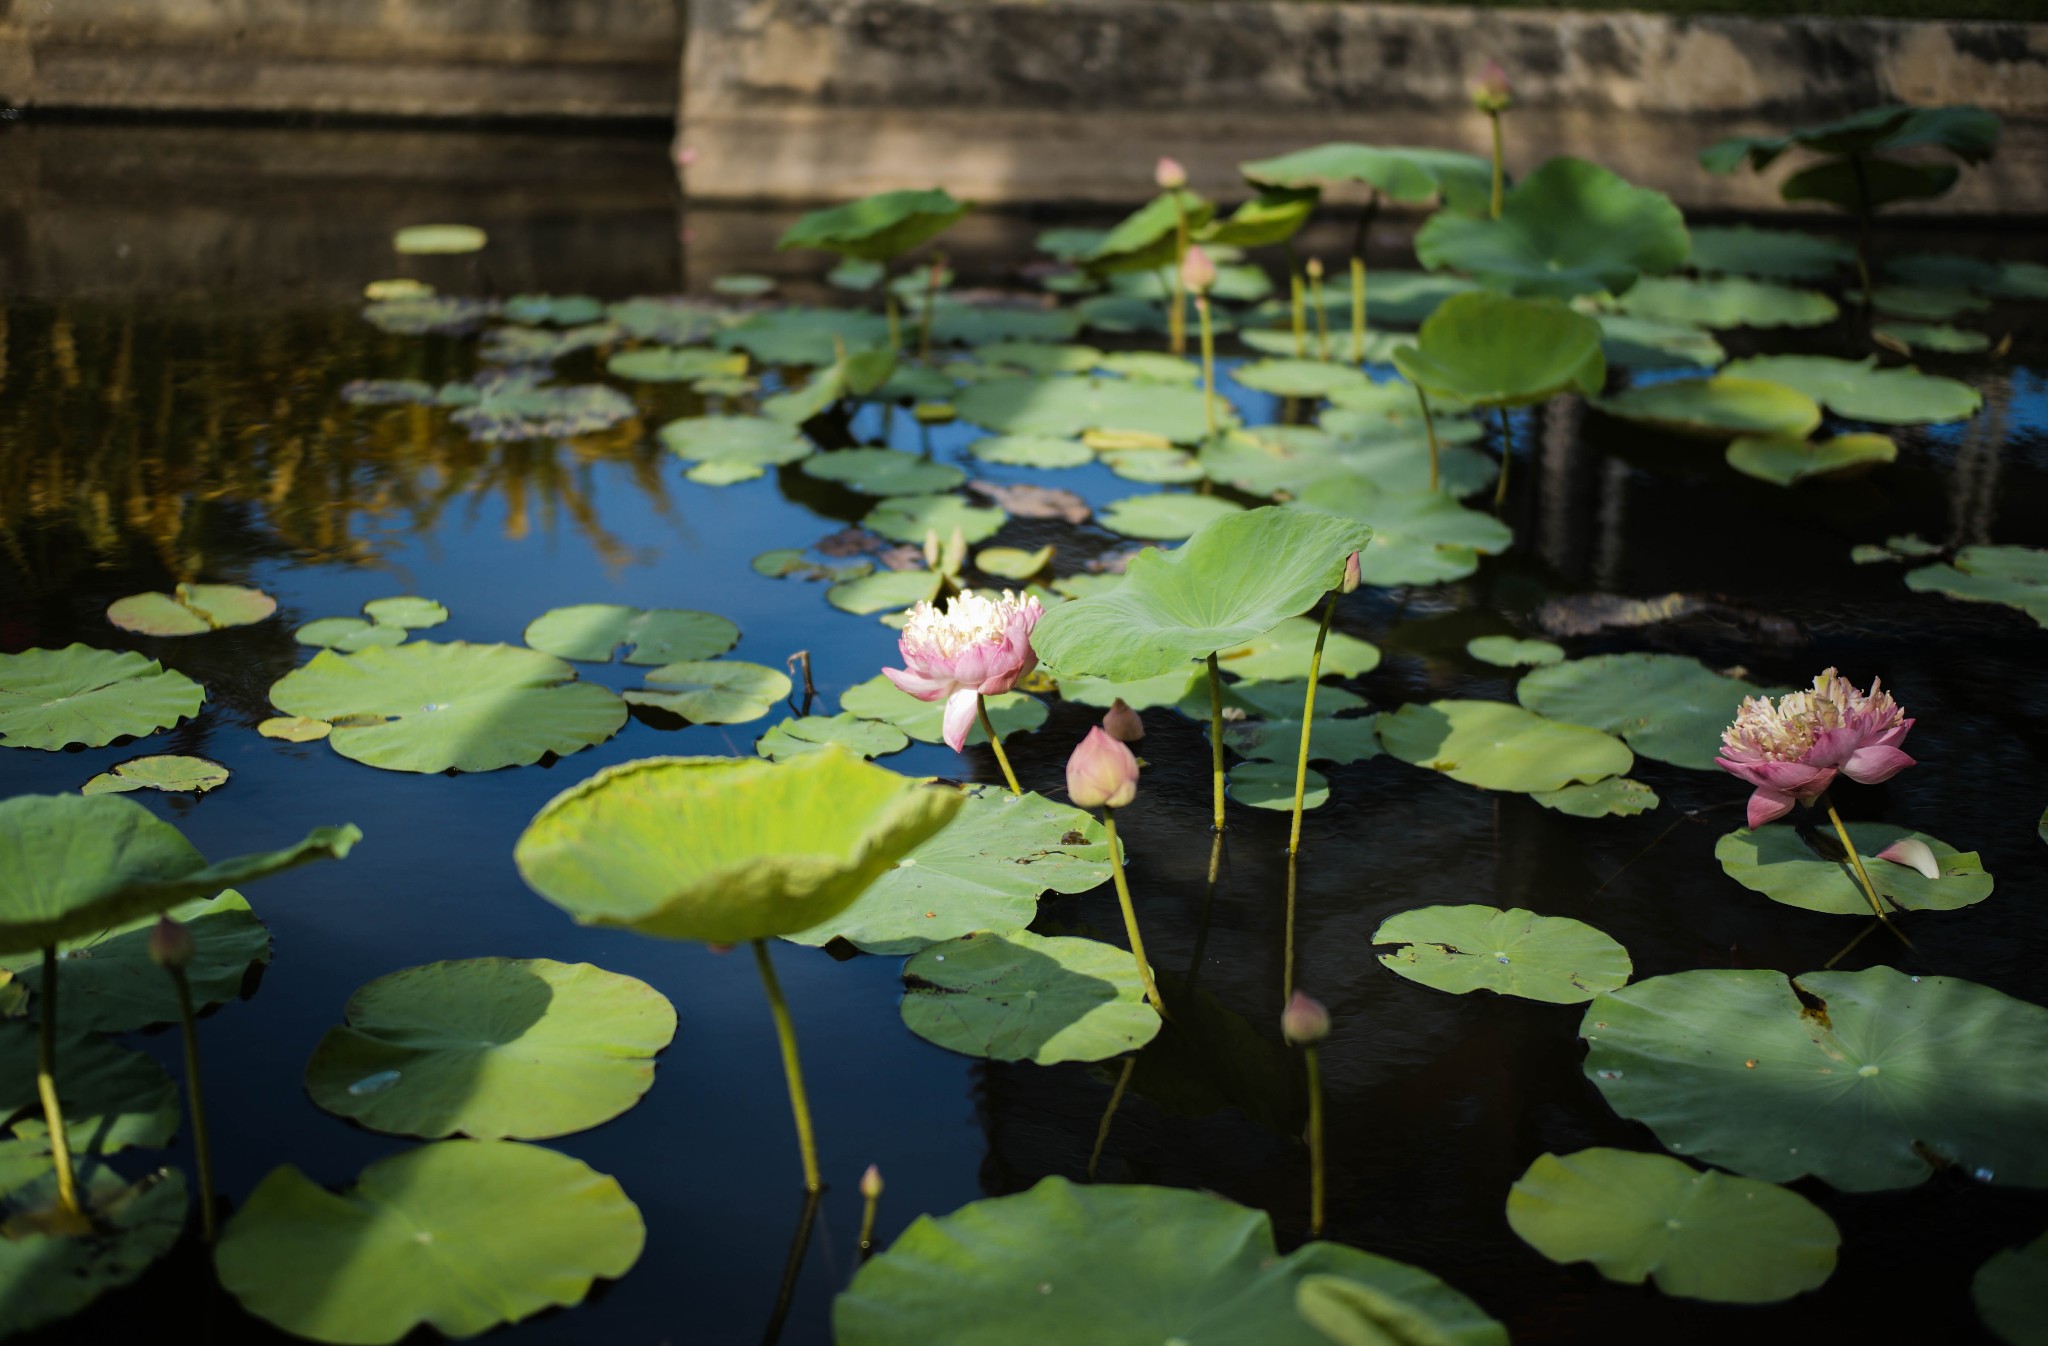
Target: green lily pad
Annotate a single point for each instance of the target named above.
(907, 518)
(1722, 407)
(178, 775)
(1017, 996)
(1155, 467)
(666, 319)
(1569, 228)
(50, 699)
(1728, 302)
(1236, 579)
(1785, 461)
(2014, 576)
(1042, 451)
(1935, 303)
(72, 866)
(1282, 653)
(884, 471)
(1810, 872)
(517, 406)
(407, 610)
(1419, 537)
(1511, 652)
(880, 699)
(2011, 1294)
(1270, 785)
(1271, 701)
(1399, 172)
(1500, 747)
(737, 448)
(492, 1048)
(1064, 406)
(674, 364)
(813, 733)
(47, 1275)
(726, 849)
(964, 324)
(1861, 391)
(985, 872)
(713, 691)
(1615, 797)
(1515, 952)
(1297, 378)
(460, 1235)
(110, 984)
(594, 632)
(1266, 460)
(879, 227)
(533, 346)
(1333, 739)
(1775, 254)
(1868, 1084)
(349, 634)
(857, 274)
(1165, 689)
(1164, 515)
(743, 285)
(1699, 1235)
(1151, 367)
(191, 610)
(1667, 707)
(1107, 1265)
(563, 310)
(1939, 338)
(425, 706)
(443, 313)
(1275, 215)
(1496, 351)
(427, 239)
(1647, 343)
(113, 1098)
(799, 335)
(884, 591)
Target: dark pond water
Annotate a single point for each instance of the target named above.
(182, 308)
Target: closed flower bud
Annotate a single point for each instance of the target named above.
(1351, 580)
(1123, 724)
(1197, 272)
(1304, 1022)
(871, 1182)
(1314, 267)
(1170, 176)
(1491, 91)
(170, 944)
(1102, 773)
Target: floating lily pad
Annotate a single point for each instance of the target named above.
(1165, 689)
(880, 699)
(443, 313)
(113, 1097)
(1777, 254)
(1041, 451)
(713, 691)
(407, 610)
(1038, 357)
(1810, 872)
(812, 733)
(984, 324)
(516, 406)
(425, 706)
(1067, 406)
(1151, 367)
(798, 335)
(857, 274)
(1297, 378)
(178, 775)
(1722, 407)
(534, 346)
(1164, 515)
(46, 1274)
(726, 849)
(1270, 785)
(1106, 1265)
(1419, 537)
(348, 634)
(1515, 952)
(1615, 797)
(52, 698)
(513, 1229)
(1939, 338)
(1510, 652)
(1699, 1235)
(668, 320)
(191, 610)
(1017, 996)
(732, 448)
(492, 1048)
(1868, 1084)
(1935, 303)
(1496, 351)
(1667, 707)
(423, 239)
(1339, 740)
(1282, 654)
(884, 591)
(109, 983)
(884, 471)
(594, 632)
(743, 285)
(1155, 467)
(907, 518)
(1645, 343)
(1861, 391)
(1266, 460)
(879, 227)
(985, 873)
(674, 364)
(1785, 461)
(563, 310)
(2011, 1294)
(1728, 302)
(2014, 576)
(1271, 701)
(1500, 747)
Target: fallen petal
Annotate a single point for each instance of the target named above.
(1913, 854)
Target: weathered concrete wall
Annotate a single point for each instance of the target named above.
(423, 58)
(1073, 99)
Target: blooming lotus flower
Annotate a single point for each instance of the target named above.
(1102, 773)
(1169, 174)
(979, 646)
(1197, 272)
(1794, 749)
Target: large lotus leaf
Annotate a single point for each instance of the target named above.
(594, 632)
(461, 1235)
(1514, 952)
(50, 699)
(814, 733)
(169, 772)
(1399, 172)
(1106, 1265)
(1969, 133)
(1784, 461)
(1701, 1235)
(425, 706)
(1722, 407)
(191, 610)
(2014, 576)
(879, 227)
(882, 700)
(1645, 343)
(1869, 1080)
(1419, 537)
(1148, 237)
(1496, 351)
(726, 849)
(1872, 184)
(713, 691)
(113, 1097)
(47, 1275)
(1273, 216)
(1500, 747)
(1166, 689)
(1810, 871)
(2011, 1294)
(516, 406)
(1165, 515)
(1861, 391)
(1666, 706)
(492, 1048)
(1614, 797)
(1569, 228)
(1016, 996)
(1236, 579)
(1775, 254)
(109, 982)
(72, 866)
(1282, 654)
(884, 471)
(1734, 302)
(1067, 406)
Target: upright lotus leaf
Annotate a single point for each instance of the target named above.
(1398, 172)
(1808, 870)
(492, 1048)
(1569, 228)
(1861, 391)
(1147, 238)
(1514, 952)
(1500, 747)
(726, 849)
(50, 699)
(1723, 407)
(1282, 654)
(1774, 254)
(113, 1097)
(72, 866)
(48, 1276)
(1858, 175)
(1729, 302)
(2011, 1294)
(985, 872)
(1017, 996)
(110, 984)
(2014, 576)
(1867, 1080)
(460, 1235)
(1107, 1265)
(1273, 216)
(1063, 405)
(173, 773)
(1699, 1235)
(1235, 580)
(191, 610)
(1496, 351)
(424, 706)
(1665, 706)
(879, 227)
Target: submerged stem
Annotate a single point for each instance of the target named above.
(46, 1085)
(1507, 454)
(792, 1068)
(1429, 426)
(1123, 899)
(1308, 716)
(1002, 758)
(1216, 734)
(792, 1268)
(1208, 363)
(1315, 1143)
(202, 1146)
(1116, 1096)
(1862, 874)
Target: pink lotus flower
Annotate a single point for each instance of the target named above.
(979, 646)
(1102, 773)
(1304, 1022)
(1793, 750)
(1170, 176)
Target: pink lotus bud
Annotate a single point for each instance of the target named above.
(1170, 176)
(685, 156)
(1491, 91)
(1913, 854)
(871, 1183)
(1102, 773)
(1314, 267)
(170, 944)
(1304, 1022)
(1122, 723)
(1197, 272)
(1351, 578)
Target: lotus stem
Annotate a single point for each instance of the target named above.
(988, 727)
(870, 1201)
(1315, 294)
(1116, 1096)
(1315, 1142)
(1194, 971)
(1216, 734)
(931, 296)
(1845, 950)
(792, 1268)
(1429, 426)
(1507, 455)
(1308, 715)
(1498, 173)
(1358, 310)
(46, 1085)
(1862, 874)
(202, 1145)
(1297, 300)
(1208, 362)
(895, 315)
(1123, 899)
(1287, 941)
(1863, 214)
(1177, 317)
(792, 1068)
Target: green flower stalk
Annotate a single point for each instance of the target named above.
(1315, 294)
(1429, 427)
(1199, 274)
(1172, 179)
(1507, 455)
(871, 1197)
(792, 1068)
(1308, 705)
(1305, 1023)
(1102, 773)
(1492, 95)
(171, 948)
(931, 299)
(46, 1088)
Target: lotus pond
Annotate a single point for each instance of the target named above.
(501, 610)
